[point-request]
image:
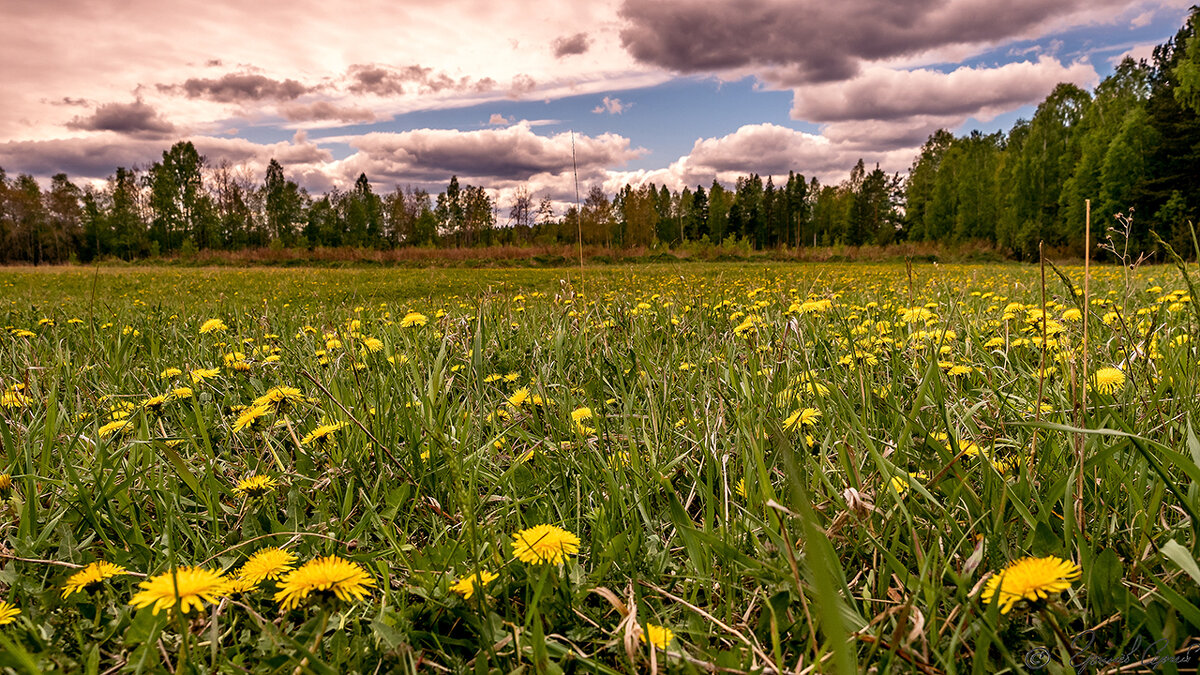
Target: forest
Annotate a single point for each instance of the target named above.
(1131, 147)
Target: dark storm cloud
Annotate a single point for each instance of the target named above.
(132, 119)
(239, 88)
(390, 81)
(569, 45)
(818, 40)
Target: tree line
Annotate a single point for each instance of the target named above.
(1132, 147)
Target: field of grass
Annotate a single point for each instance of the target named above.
(700, 468)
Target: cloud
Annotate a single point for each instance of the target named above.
(390, 81)
(132, 119)
(1142, 19)
(1137, 53)
(765, 149)
(239, 88)
(491, 157)
(806, 42)
(99, 155)
(326, 111)
(521, 84)
(884, 94)
(612, 106)
(569, 45)
(498, 120)
(67, 100)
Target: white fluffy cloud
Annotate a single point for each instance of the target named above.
(765, 149)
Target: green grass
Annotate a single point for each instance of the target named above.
(859, 541)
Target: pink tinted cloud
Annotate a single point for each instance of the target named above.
(506, 155)
(880, 93)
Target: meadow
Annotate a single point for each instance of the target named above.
(663, 468)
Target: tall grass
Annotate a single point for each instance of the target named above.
(860, 541)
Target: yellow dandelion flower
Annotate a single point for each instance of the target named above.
(900, 484)
(659, 636)
(746, 326)
(267, 563)
(239, 585)
(280, 398)
(202, 374)
(816, 306)
(117, 428)
(465, 586)
(155, 403)
(413, 319)
(544, 544)
(1108, 380)
(5, 482)
(255, 487)
(189, 587)
(322, 434)
(519, 397)
(212, 325)
(92, 574)
(970, 448)
(802, 418)
(180, 393)
(344, 579)
(169, 373)
(13, 399)
(8, 613)
(1030, 579)
(251, 418)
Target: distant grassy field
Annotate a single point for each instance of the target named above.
(681, 468)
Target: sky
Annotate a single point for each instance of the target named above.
(529, 94)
